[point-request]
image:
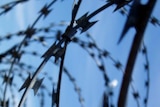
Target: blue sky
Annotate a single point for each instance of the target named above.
(83, 68)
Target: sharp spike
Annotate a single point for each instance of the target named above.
(37, 85)
(26, 83)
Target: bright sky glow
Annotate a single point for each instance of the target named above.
(113, 83)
